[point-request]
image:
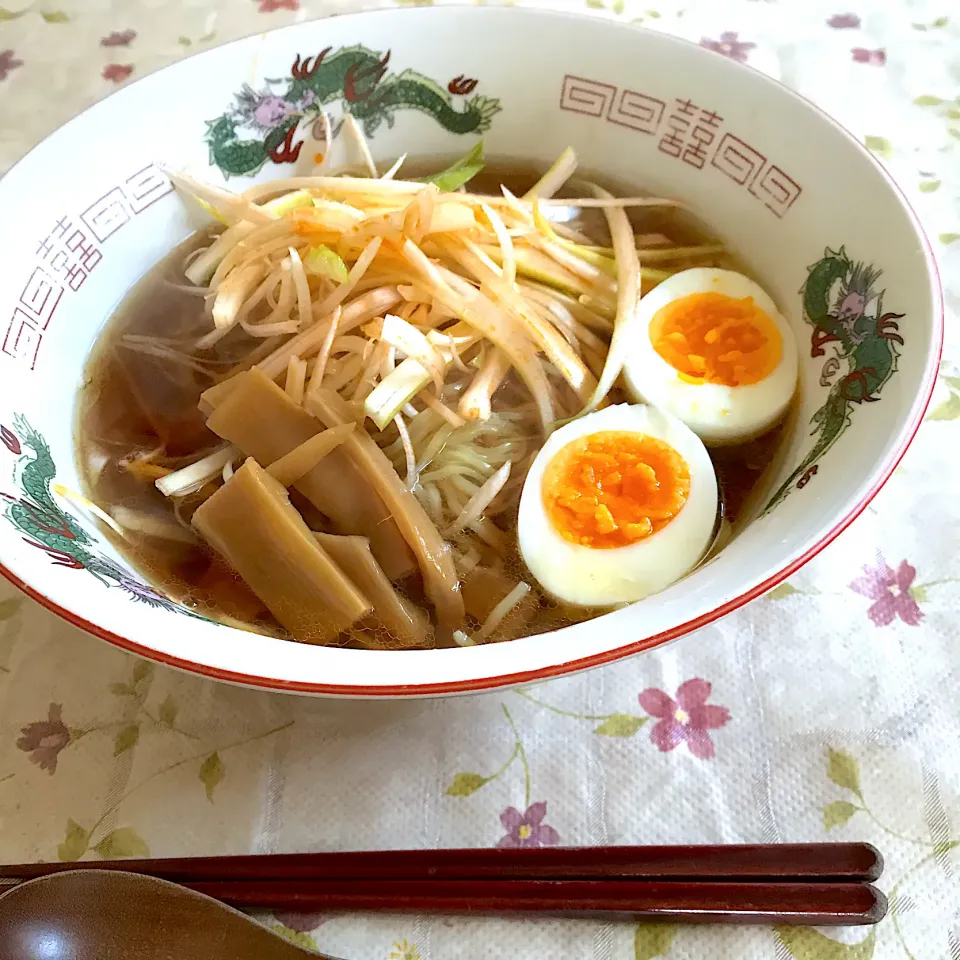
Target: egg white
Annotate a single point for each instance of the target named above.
(715, 412)
(588, 576)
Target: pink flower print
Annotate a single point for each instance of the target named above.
(8, 62)
(891, 592)
(686, 719)
(117, 72)
(268, 6)
(875, 58)
(844, 21)
(729, 45)
(45, 739)
(119, 39)
(527, 829)
(270, 111)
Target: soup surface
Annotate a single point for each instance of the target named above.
(352, 562)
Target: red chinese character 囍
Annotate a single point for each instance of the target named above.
(75, 276)
(702, 136)
(678, 123)
(84, 250)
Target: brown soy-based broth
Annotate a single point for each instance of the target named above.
(120, 383)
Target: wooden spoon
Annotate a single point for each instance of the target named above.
(113, 915)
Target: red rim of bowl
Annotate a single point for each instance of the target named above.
(608, 656)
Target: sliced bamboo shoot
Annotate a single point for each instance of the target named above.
(251, 523)
(440, 580)
(301, 460)
(267, 425)
(404, 619)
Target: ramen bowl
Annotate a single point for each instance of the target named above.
(817, 220)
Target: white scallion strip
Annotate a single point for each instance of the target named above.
(356, 134)
(479, 502)
(227, 470)
(88, 505)
(320, 367)
(392, 172)
(410, 456)
(296, 376)
(304, 308)
(279, 320)
(232, 293)
(628, 292)
(337, 185)
(503, 609)
(508, 258)
(191, 478)
(468, 562)
(462, 640)
(562, 170)
(373, 303)
(603, 203)
(146, 525)
(413, 344)
(301, 460)
(227, 205)
(356, 272)
(410, 377)
(475, 402)
(454, 419)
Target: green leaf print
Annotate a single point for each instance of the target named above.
(168, 711)
(653, 940)
(54, 16)
(295, 936)
(122, 842)
(948, 238)
(881, 146)
(919, 593)
(621, 725)
(928, 100)
(211, 774)
(929, 186)
(805, 943)
(10, 607)
(948, 410)
(843, 770)
(464, 784)
(836, 814)
(782, 591)
(75, 843)
(10, 14)
(126, 739)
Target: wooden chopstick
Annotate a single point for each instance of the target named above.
(821, 904)
(823, 862)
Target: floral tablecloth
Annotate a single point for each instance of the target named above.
(826, 710)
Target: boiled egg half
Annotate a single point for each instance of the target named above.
(616, 506)
(711, 347)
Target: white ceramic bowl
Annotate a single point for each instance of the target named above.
(818, 220)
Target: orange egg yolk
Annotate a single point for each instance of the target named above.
(613, 488)
(713, 338)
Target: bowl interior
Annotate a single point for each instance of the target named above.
(810, 212)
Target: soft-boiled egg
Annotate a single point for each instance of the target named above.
(711, 347)
(616, 506)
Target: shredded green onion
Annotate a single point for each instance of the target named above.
(323, 262)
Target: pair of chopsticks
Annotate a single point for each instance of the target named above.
(815, 883)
